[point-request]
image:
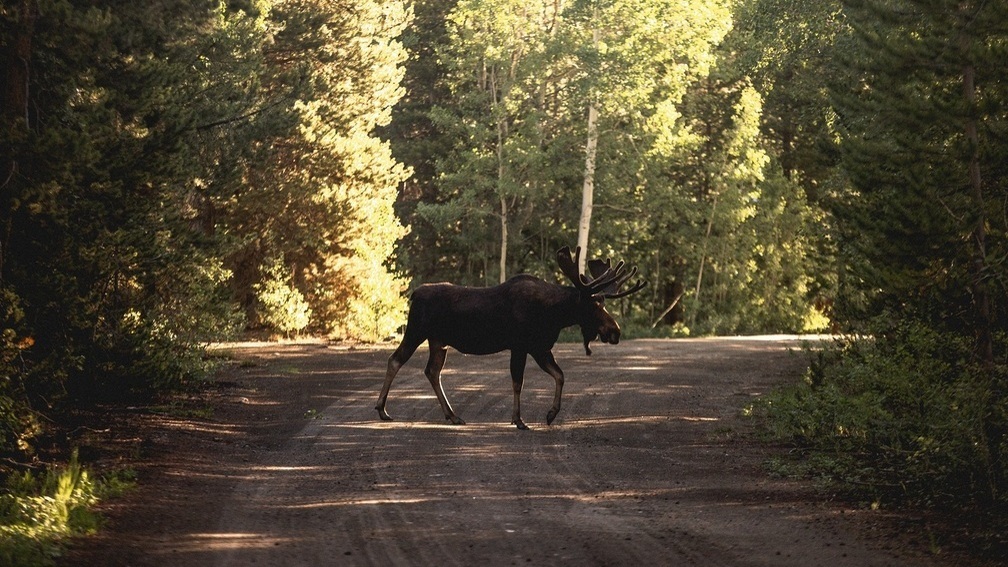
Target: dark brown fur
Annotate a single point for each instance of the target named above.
(524, 315)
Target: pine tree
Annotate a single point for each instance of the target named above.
(920, 124)
(110, 285)
(925, 150)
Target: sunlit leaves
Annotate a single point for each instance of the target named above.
(320, 195)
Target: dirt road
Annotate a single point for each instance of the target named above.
(648, 464)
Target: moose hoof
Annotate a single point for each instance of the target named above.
(384, 414)
(551, 416)
(519, 424)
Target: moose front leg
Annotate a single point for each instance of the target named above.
(517, 379)
(548, 363)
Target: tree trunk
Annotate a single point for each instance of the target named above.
(504, 239)
(588, 188)
(981, 296)
(17, 61)
(993, 432)
(14, 108)
(501, 135)
(703, 260)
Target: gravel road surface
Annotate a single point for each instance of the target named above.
(648, 463)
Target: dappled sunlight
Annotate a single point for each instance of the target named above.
(262, 403)
(644, 439)
(417, 395)
(232, 541)
(283, 468)
(640, 368)
(391, 500)
(399, 500)
(420, 467)
(631, 419)
(212, 473)
(442, 425)
(220, 429)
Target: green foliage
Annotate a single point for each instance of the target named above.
(378, 306)
(18, 422)
(154, 160)
(688, 185)
(282, 307)
(753, 271)
(920, 184)
(900, 416)
(320, 194)
(40, 512)
(100, 254)
(916, 406)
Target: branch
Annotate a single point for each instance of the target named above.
(667, 311)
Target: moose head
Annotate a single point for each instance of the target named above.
(605, 282)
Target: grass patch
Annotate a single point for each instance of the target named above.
(39, 512)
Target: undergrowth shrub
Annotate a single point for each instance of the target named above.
(282, 306)
(903, 415)
(18, 422)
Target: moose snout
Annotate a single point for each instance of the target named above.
(610, 334)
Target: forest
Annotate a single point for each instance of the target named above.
(179, 172)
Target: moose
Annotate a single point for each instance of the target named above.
(524, 315)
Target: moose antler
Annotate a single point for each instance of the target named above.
(641, 284)
(606, 280)
(569, 265)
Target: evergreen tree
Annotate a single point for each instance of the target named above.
(923, 149)
(417, 142)
(923, 139)
(107, 284)
(152, 154)
(504, 124)
(521, 76)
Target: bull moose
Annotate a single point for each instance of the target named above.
(524, 315)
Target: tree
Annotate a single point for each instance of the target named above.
(921, 147)
(522, 76)
(318, 197)
(416, 141)
(497, 64)
(155, 155)
(650, 163)
(108, 285)
(634, 55)
(923, 144)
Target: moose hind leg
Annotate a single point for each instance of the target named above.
(548, 363)
(438, 354)
(395, 362)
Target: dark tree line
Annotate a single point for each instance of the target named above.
(176, 171)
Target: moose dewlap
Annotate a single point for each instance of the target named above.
(525, 315)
